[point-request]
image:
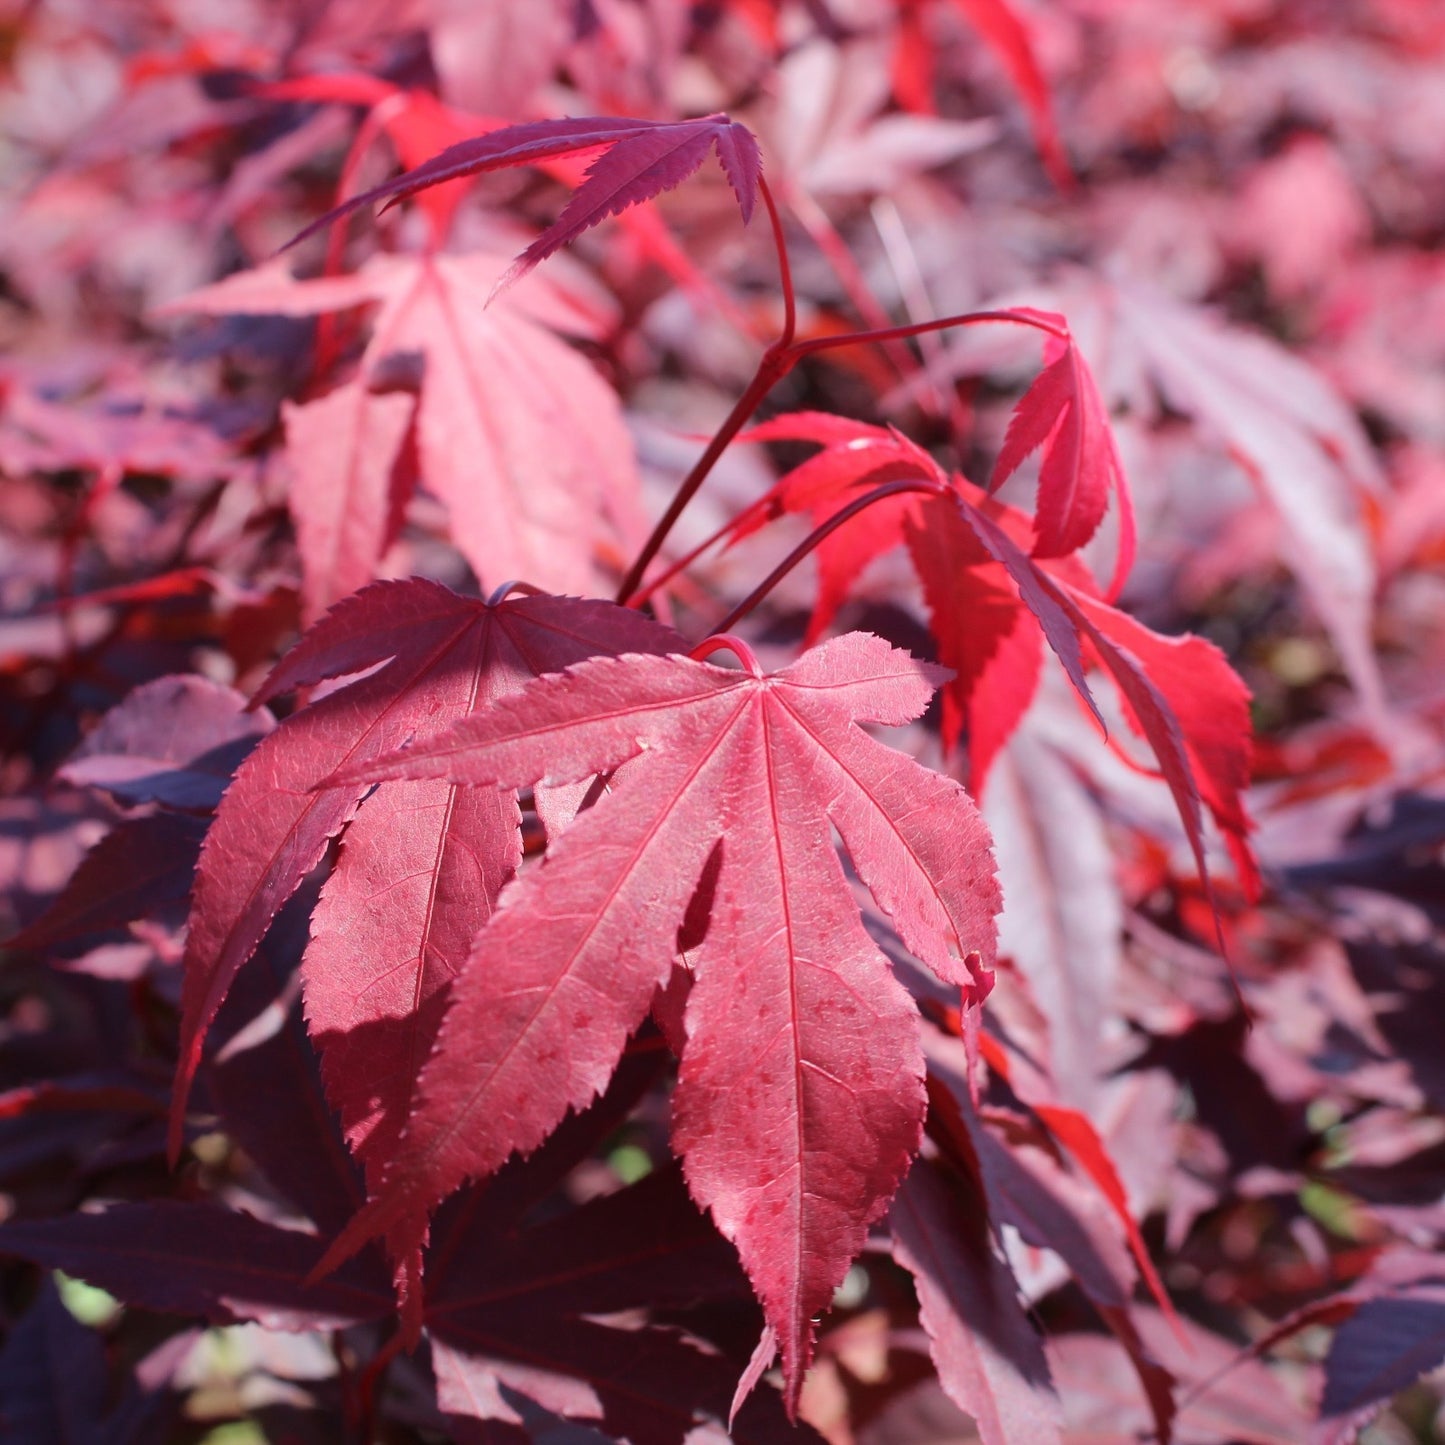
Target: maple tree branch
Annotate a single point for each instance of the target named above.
(688, 558)
(845, 514)
(776, 363)
(785, 269)
(800, 349)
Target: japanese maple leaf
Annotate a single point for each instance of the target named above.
(1179, 693)
(799, 1101)
(639, 160)
(985, 593)
(1063, 416)
(422, 864)
(1290, 432)
(854, 458)
(516, 433)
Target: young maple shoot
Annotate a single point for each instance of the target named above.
(462, 1003)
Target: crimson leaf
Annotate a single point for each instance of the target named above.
(800, 1099)
(1063, 415)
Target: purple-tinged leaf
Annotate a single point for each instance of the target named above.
(174, 741)
(989, 1359)
(1382, 1349)
(641, 159)
(54, 1379)
(197, 1259)
(650, 1386)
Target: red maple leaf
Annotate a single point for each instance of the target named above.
(799, 1101)
(1063, 416)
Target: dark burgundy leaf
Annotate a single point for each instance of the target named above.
(1382, 1349)
(640, 159)
(143, 865)
(198, 1259)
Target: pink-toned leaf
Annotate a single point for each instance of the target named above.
(1066, 935)
(989, 1359)
(419, 872)
(342, 450)
(1296, 440)
(516, 433)
(795, 1150)
(829, 131)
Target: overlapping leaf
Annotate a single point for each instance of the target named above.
(799, 1101)
(990, 1361)
(426, 861)
(985, 594)
(1063, 416)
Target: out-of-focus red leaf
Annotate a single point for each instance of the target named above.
(989, 1359)
(517, 434)
(175, 741)
(831, 137)
(1294, 437)
(343, 450)
(1008, 38)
